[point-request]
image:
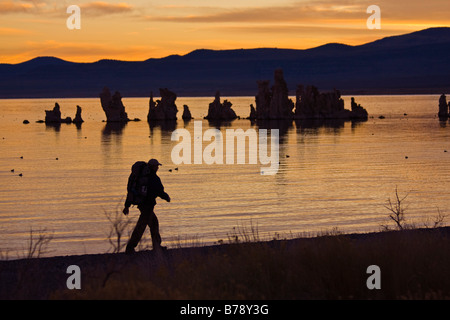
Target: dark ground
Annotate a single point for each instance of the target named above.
(414, 264)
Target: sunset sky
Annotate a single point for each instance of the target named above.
(142, 29)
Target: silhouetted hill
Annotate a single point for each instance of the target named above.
(419, 38)
(412, 63)
(43, 61)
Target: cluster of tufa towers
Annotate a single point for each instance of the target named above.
(272, 103)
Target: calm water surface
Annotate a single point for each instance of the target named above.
(330, 176)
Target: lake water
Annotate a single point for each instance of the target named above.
(330, 176)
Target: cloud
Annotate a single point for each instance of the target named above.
(94, 8)
(291, 29)
(14, 32)
(7, 7)
(98, 8)
(308, 11)
(298, 12)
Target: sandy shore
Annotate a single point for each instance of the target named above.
(226, 271)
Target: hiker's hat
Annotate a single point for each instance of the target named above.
(154, 162)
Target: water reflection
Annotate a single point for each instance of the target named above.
(336, 124)
(78, 125)
(316, 124)
(163, 125)
(56, 126)
(113, 129)
(159, 138)
(53, 126)
(111, 140)
(218, 124)
(186, 122)
(333, 126)
(160, 133)
(282, 125)
(443, 122)
(357, 123)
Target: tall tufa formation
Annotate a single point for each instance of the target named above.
(273, 103)
(186, 113)
(54, 116)
(113, 106)
(281, 107)
(443, 107)
(164, 109)
(312, 104)
(220, 111)
(78, 118)
(357, 111)
(151, 108)
(262, 99)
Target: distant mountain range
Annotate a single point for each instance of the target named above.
(418, 62)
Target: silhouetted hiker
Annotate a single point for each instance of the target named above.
(143, 189)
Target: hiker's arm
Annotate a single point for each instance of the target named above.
(126, 207)
(164, 195)
(161, 193)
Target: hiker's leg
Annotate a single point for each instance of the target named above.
(138, 230)
(154, 230)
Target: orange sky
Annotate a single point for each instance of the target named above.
(142, 29)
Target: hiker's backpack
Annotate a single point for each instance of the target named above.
(137, 183)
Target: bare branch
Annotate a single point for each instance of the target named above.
(397, 210)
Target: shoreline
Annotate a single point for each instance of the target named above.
(322, 267)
